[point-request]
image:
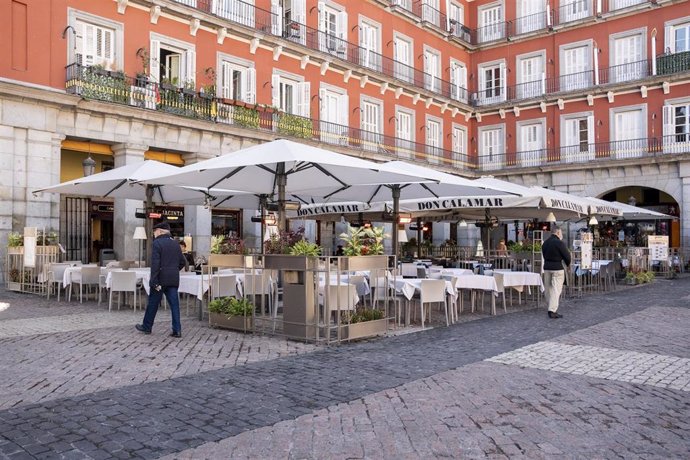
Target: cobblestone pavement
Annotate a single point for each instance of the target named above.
(507, 386)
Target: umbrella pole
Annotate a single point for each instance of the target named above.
(282, 182)
(262, 207)
(396, 218)
(148, 223)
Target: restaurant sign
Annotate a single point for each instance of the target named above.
(340, 208)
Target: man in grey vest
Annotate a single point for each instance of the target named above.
(556, 258)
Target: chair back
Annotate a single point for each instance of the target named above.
(73, 263)
(123, 281)
(360, 283)
(433, 291)
(408, 270)
(223, 286)
(90, 275)
(126, 264)
(379, 287)
(56, 272)
(342, 297)
(421, 271)
(113, 264)
(255, 284)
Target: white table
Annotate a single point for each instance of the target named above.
(74, 273)
(517, 281)
(456, 271)
(361, 284)
(596, 265)
(478, 283)
(408, 286)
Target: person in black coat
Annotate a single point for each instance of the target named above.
(166, 262)
(556, 258)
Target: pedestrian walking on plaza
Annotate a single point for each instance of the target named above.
(556, 258)
(166, 262)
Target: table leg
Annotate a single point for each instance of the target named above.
(201, 309)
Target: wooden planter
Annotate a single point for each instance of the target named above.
(15, 250)
(14, 286)
(236, 323)
(364, 329)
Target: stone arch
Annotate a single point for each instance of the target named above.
(670, 184)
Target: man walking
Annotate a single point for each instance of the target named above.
(555, 254)
(166, 262)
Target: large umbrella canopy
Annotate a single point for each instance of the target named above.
(443, 185)
(282, 167)
(629, 212)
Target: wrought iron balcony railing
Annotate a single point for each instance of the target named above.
(115, 87)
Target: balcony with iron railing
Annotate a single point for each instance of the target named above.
(600, 152)
(115, 87)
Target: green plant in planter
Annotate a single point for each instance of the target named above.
(246, 117)
(305, 248)
(361, 315)
(15, 239)
(644, 277)
(47, 238)
(216, 241)
(295, 126)
(232, 245)
(283, 241)
(15, 275)
(630, 278)
(231, 306)
(363, 241)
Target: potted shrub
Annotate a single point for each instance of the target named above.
(366, 242)
(231, 313)
(363, 323)
(15, 243)
(14, 280)
(630, 278)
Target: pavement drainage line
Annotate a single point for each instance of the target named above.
(607, 363)
(233, 400)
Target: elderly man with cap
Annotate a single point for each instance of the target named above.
(166, 262)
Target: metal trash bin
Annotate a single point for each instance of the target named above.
(105, 256)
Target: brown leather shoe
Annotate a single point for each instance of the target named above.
(554, 315)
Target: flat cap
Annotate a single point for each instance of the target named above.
(162, 226)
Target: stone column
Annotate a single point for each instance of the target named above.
(684, 173)
(124, 219)
(197, 223)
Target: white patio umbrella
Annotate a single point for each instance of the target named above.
(280, 168)
(629, 212)
(444, 184)
(124, 182)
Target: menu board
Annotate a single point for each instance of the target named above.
(586, 251)
(658, 247)
(30, 239)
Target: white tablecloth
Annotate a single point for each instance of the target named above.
(481, 282)
(361, 284)
(456, 271)
(143, 275)
(408, 286)
(74, 273)
(596, 265)
(517, 280)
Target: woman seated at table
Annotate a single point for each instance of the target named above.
(188, 259)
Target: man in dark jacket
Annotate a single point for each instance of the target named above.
(555, 254)
(166, 262)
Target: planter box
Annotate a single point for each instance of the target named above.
(14, 286)
(364, 329)
(286, 262)
(47, 250)
(236, 323)
(15, 250)
(365, 263)
(226, 260)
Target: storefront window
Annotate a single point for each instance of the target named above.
(226, 223)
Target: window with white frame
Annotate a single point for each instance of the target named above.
(677, 35)
(431, 12)
(531, 141)
(432, 70)
(629, 131)
(404, 131)
(492, 83)
(676, 120)
(239, 11)
(531, 16)
(173, 62)
(576, 66)
(531, 75)
(577, 137)
(333, 29)
(459, 146)
(491, 23)
(290, 93)
(371, 122)
(458, 81)
(434, 139)
(334, 114)
(370, 44)
(618, 4)
(572, 10)
(95, 41)
(491, 146)
(237, 79)
(406, 4)
(402, 55)
(456, 18)
(628, 57)
(294, 14)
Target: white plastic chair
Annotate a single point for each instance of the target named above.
(341, 298)
(88, 276)
(408, 270)
(258, 285)
(123, 282)
(432, 291)
(54, 276)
